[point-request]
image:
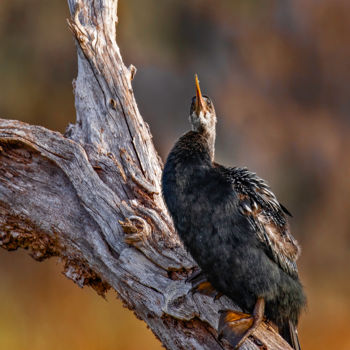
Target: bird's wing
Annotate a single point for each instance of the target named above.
(266, 217)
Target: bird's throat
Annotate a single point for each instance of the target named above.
(210, 137)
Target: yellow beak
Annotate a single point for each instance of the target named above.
(200, 103)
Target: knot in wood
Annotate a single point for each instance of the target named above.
(136, 229)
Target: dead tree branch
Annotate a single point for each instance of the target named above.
(92, 197)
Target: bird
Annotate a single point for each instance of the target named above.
(236, 230)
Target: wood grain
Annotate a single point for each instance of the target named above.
(93, 197)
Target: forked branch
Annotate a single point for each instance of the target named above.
(93, 197)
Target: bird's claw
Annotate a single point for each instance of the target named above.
(237, 326)
(200, 284)
(233, 326)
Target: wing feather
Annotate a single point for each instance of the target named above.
(267, 217)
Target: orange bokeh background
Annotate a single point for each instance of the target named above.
(278, 72)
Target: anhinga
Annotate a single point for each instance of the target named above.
(235, 229)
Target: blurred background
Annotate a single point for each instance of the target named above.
(279, 75)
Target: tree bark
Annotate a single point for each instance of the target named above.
(92, 197)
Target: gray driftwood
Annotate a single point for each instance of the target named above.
(92, 197)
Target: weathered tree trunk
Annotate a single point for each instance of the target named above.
(93, 197)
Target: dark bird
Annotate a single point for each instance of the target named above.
(236, 230)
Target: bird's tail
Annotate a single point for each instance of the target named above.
(290, 334)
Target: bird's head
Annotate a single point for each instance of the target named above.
(202, 113)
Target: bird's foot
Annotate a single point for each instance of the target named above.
(236, 326)
(201, 285)
(206, 288)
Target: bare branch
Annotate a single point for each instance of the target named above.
(93, 197)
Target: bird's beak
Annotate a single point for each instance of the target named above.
(200, 103)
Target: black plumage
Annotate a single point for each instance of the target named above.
(233, 225)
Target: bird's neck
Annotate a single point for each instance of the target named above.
(210, 137)
(195, 147)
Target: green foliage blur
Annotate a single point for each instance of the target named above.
(278, 73)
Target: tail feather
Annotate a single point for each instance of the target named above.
(290, 334)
